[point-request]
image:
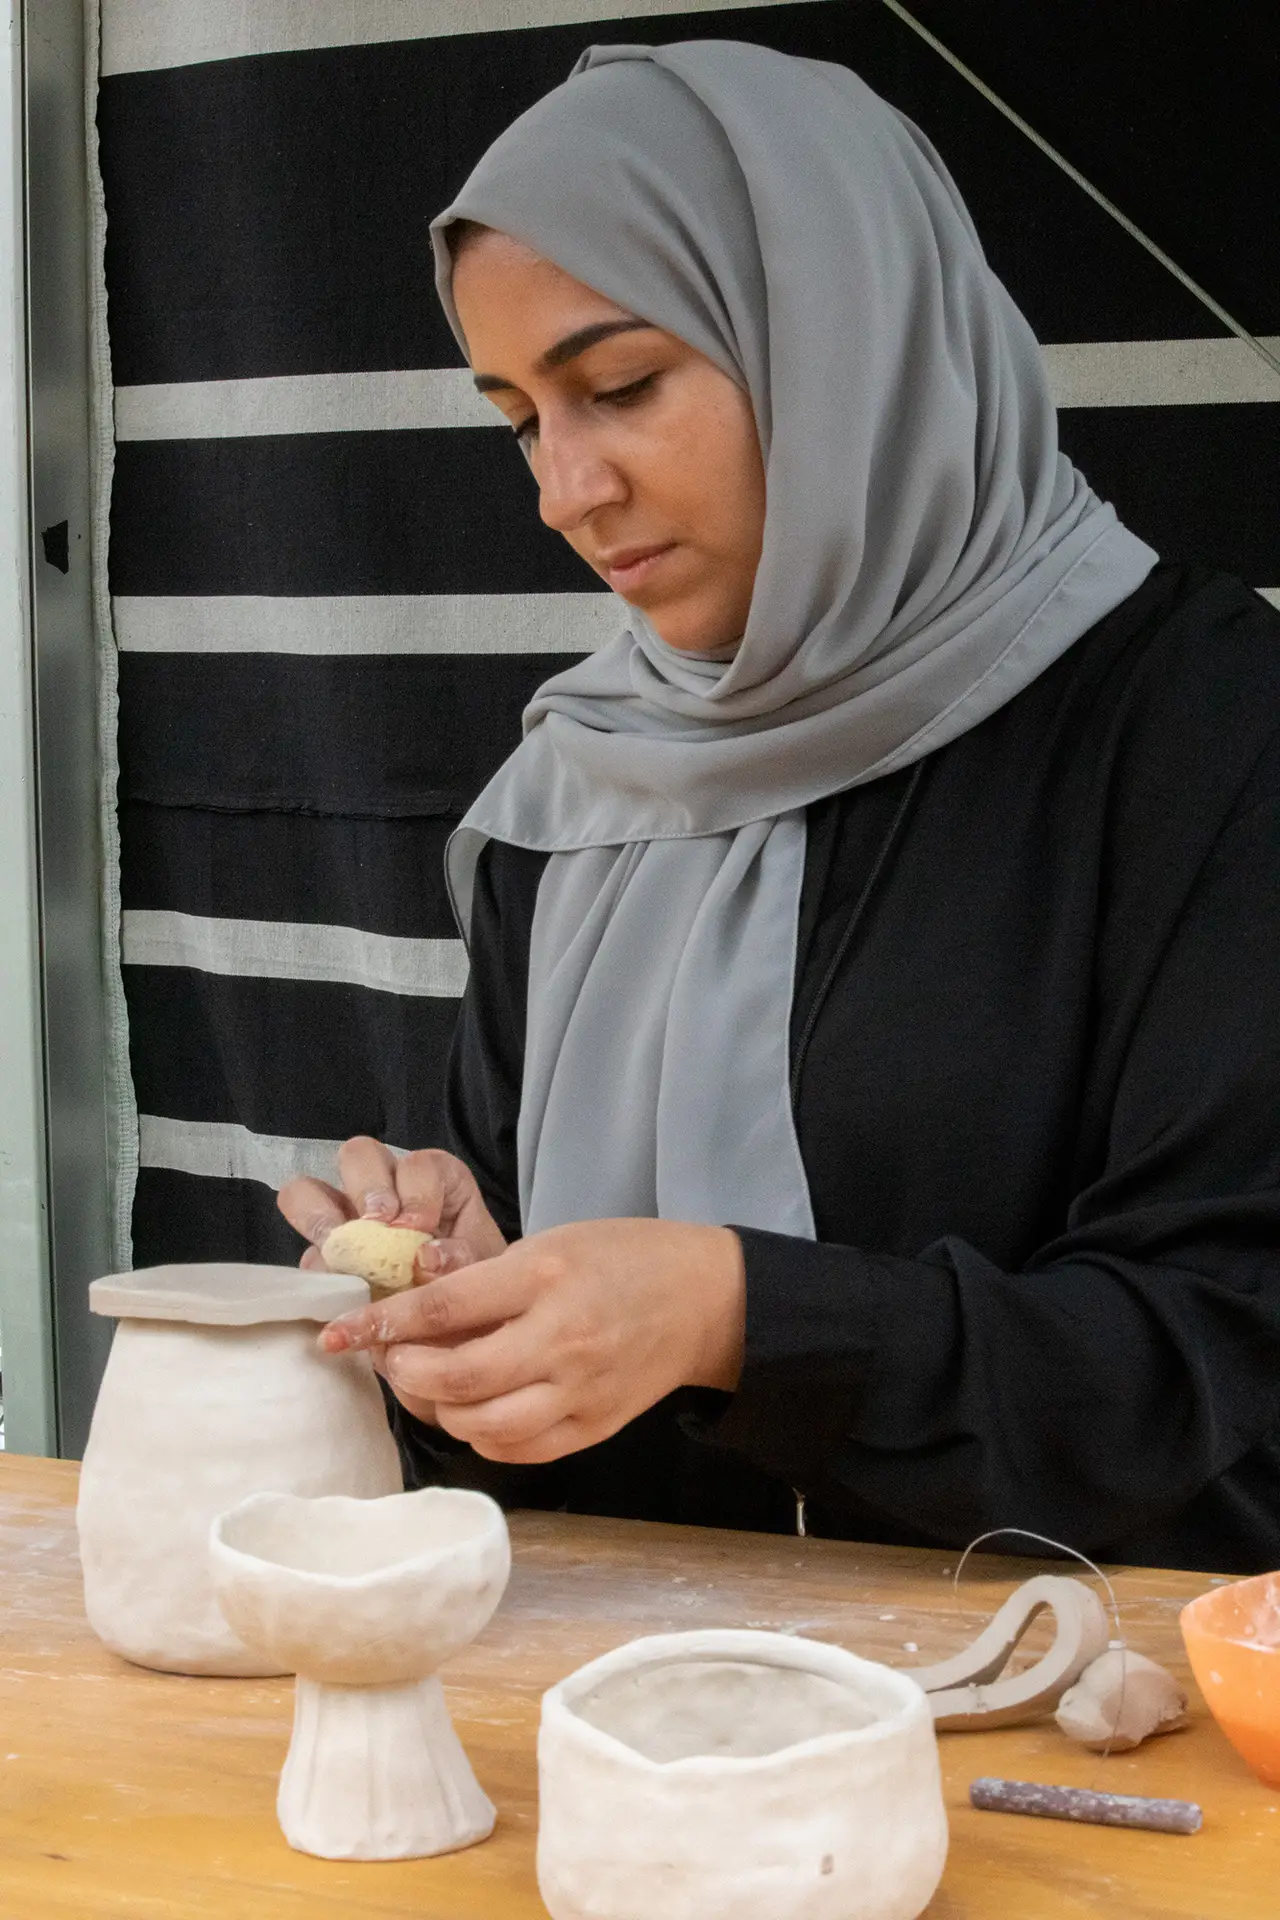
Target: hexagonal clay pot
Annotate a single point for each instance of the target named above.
(215, 1388)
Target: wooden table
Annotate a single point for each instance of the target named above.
(139, 1794)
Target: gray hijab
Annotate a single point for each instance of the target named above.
(927, 553)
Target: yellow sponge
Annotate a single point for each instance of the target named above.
(380, 1254)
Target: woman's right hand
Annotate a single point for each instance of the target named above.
(431, 1190)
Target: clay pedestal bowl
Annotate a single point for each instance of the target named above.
(724, 1775)
(1232, 1636)
(363, 1600)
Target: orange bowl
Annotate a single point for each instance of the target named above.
(1232, 1637)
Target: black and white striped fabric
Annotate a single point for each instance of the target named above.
(331, 593)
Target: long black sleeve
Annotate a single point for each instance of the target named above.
(1097, 1391)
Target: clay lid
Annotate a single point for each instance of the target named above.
(226, 1293)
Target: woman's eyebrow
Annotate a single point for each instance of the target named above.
(567, 349)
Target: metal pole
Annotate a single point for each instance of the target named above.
(72, 822)
(26, 1316)
(54, 1137)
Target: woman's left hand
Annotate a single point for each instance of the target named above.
(565, 1337)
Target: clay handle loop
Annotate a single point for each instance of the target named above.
(965, 1691)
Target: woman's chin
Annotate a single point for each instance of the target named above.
(684, 631)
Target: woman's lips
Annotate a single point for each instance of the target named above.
(631, 567)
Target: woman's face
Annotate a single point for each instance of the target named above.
(645, 454)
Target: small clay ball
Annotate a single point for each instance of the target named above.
(1120, 1700)
(375, 1252)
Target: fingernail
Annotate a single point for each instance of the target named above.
(428, 1258)
(334, 1339)
(417, 1218)
(319, 1230)
(381, 1205)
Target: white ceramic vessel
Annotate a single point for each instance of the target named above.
(214, 1389)
(364, 1599)
(738, 1776)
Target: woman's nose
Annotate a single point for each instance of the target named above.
(573, 481)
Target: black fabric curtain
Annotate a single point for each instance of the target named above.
(332, 591)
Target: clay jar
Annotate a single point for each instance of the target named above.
(215, 1389)
(726, 1775)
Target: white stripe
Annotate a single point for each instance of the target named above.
(138, 35)
(304, 403)
(289, 950)
(376, 623)
(220, 1150)
(1098, 373)
(1160, 373)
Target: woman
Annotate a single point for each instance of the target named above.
(874, 1021)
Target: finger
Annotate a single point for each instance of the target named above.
(438, 1193)
(420, 1189)
(467, 1302)
(314, 1208)
(484, 1368)
(368, 1172)
(312, 1261)
(511, 1427)
(420, 1409)
(566, 1436)
(437, 1257)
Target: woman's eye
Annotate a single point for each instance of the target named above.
(623, 396)
(526, 431)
